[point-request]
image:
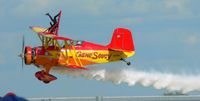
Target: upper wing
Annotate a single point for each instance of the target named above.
(44, 32)
(38, 29)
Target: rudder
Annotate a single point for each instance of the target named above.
(122, 40)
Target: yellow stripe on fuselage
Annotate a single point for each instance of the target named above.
(102, 56)
(95, 56)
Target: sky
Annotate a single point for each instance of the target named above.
(166, 35)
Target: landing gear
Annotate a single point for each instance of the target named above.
(46, 82)
(45, 77)
(127, 62)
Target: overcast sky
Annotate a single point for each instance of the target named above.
(166, 35)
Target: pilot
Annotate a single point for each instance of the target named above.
(79, 42)
(54, 20)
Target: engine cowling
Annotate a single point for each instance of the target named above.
(28, 55)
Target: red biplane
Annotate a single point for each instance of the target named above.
(73, 54)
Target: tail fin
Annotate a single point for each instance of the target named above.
(122, 40)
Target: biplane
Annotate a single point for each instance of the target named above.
(57, 51)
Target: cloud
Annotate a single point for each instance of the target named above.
(1, 8)
(139, 8)
(2, 58)
(142, 9)
(10, 50)
(178, 5)
(116, 8)
(192, 40)
(31, 7)
(120, 9)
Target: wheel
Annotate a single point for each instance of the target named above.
(39, 75)
(128, 63)
(39, 78)
(46, 82)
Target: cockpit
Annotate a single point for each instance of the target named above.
(74, 42)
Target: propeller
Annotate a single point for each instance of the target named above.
(22, 54)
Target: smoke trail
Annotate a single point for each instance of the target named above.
(170, 82)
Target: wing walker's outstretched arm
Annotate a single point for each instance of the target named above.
(54, 22)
